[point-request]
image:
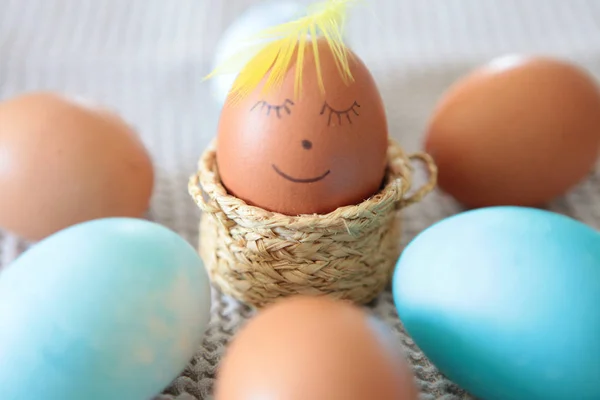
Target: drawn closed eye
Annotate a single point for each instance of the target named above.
(347, 113)
(269, 108)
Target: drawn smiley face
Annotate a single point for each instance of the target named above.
(306, 154)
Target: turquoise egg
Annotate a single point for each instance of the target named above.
(505, 301)
(108, 309)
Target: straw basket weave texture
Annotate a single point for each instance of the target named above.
(257, 256)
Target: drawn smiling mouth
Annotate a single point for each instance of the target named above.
(299, 180)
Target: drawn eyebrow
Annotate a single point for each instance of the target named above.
(285, 106)
(339, 113)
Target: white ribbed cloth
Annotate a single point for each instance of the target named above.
(145, 58)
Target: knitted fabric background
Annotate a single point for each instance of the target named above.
(146, 59)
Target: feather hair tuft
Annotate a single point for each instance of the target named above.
(274, 55)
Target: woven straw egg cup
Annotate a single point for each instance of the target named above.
(257, 256)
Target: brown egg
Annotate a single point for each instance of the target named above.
(313, 348)
(518, 131)
(62, 163)
(307, 156)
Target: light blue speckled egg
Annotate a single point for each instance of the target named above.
(505, 302)
(110, 309)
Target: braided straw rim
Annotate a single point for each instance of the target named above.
(241, 244)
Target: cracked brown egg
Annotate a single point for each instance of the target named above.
(310, 153)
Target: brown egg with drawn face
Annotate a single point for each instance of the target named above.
(307, 154)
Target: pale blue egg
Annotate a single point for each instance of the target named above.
(504, 301)
(110, 309)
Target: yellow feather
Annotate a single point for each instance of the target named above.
(313, 35)
(273, 59)
(300, 61)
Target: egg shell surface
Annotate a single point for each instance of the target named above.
(314, 348)
(107, 309)
(504, 301)
(63, 162)
(310, 154)
(520, 130)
